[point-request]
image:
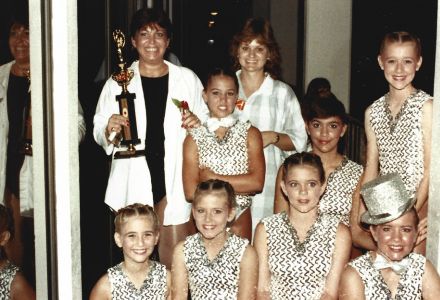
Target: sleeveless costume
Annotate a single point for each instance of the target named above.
(341, 183)
(7, 274)
(299, 270)
(410, 283)
(154, 286)
(228, 156)
(217, 278)
(400, 140)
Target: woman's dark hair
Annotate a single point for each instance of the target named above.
(321, 107)
(220, 72)
(215, 186)
(401, 37)
(304, 158)
(261, 30)
(149, 16)
(318, 86)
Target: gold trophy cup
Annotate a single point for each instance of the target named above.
(126, 102)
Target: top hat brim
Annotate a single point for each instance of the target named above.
(367, 219)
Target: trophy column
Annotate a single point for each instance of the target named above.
(27, 127)
(126, 103)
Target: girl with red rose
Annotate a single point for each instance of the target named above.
(226, 149)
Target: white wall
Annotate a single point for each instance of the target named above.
(328, 44)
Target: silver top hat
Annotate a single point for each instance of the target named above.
(386, 199)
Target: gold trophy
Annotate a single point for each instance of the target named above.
(27, 127)
(126, 103)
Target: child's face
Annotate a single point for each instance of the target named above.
(325, 133)
(303, 188)
(211, 213)
(396, 239)
(137, 238)
(253, 56)
(220, 95)
(400, 61)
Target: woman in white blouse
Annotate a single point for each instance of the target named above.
(268, 103)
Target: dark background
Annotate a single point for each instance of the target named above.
(371, 20)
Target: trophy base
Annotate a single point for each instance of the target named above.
(128, 154)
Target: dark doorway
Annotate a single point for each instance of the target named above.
(371, 21)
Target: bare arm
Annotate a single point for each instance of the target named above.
(351, 285)
(168, 295)
(260, 244)
(179, 275)
(280, 202)
(430, 282)
(372, 161)
(247, 284)
(21, 289)
(340, 257)
(253, 181)
(423, 189)
(283, 141)
(190, 167)
(102, 289)
(361, 237)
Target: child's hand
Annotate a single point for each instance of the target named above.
(190, 120)
(422, 231)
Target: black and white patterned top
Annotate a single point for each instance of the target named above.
(410, 283)
(228, 156)
(7, 274)
(299, 269)
(400, 139)
(341, 183)
(217, 278)
(154, 286)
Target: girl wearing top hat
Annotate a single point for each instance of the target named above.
(392, 271)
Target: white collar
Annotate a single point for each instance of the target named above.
(214, 123)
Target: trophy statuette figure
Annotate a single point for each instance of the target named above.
(129, 136)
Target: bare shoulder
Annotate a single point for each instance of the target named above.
(102, 289)
(351, 285)
(20, 288)
(250, 254)
(343, 231)
(430, 282)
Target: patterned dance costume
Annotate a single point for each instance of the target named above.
(299, 270)
(341, 183)
(217, 278)
(7, 274)
(400, 140)
(228, 156)
(154, 286)
(410, 283)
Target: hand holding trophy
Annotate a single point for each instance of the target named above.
(126, 104)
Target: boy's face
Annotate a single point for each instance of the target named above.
(137, 239)
(396, 239)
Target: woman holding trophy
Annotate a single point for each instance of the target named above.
(143, 126)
